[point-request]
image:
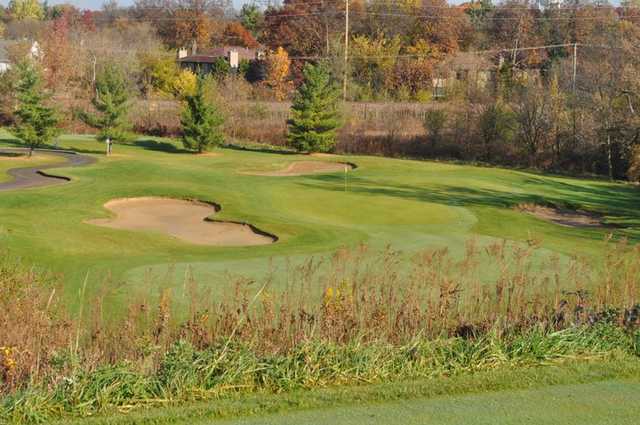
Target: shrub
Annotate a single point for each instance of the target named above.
(435, 121)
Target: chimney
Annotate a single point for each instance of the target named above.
(182, 53)
(234, 59)
(194, 47)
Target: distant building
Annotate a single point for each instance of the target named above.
(204, 61)
(34, 52)
(463, 67)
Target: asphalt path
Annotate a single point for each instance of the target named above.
(27, 177)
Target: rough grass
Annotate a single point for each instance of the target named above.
(372, 325)
(410, 205)
(513, 394)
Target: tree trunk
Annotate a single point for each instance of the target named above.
(609, 157)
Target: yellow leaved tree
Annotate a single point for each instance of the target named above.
(278, 68)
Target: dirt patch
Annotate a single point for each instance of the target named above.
(209, 154)
(302, 168)
(185, 220)
(563, 216)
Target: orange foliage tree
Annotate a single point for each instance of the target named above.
(236, 34)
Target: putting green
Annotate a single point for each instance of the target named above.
(407, 204)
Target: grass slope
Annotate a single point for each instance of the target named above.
(407, 204)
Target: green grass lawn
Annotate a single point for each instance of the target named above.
(610, 403)
(407, 204)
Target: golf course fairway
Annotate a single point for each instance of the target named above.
(408, 205)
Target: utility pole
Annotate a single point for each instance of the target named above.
(346, 50)
(575, 66)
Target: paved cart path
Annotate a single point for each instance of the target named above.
(26, 177)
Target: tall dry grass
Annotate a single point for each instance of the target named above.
(359, 316)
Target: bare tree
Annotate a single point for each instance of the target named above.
(531, 115)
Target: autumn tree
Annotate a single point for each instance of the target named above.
(26, 9)
(58, 53)
(512, 26)
(165, 77)
(36, 123)
(111, 104)
(192, 26)
(315, 114)
(373, 64)
(304, 28)
(201, 122)
(238, 35)
(278, 65)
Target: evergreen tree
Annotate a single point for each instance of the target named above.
(111, 102)
(36, 124)
(315, 114)
(201, 122)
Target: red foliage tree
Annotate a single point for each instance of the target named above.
(236, 34)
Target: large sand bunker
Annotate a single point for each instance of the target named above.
(563, 216)
(185, 220)
(302, 168)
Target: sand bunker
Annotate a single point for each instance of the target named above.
(185, 220)
(563, 216)
(302, 168)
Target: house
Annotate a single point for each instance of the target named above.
(463, 68)
(204, 61)
(6, 47)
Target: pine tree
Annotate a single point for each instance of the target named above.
(36, 124)
(111, 102)
(201, 122)
(315, 114)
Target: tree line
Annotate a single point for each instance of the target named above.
(559, 87)
(316, 115)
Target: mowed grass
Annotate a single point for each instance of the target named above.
(602, 403)
(409, 205)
